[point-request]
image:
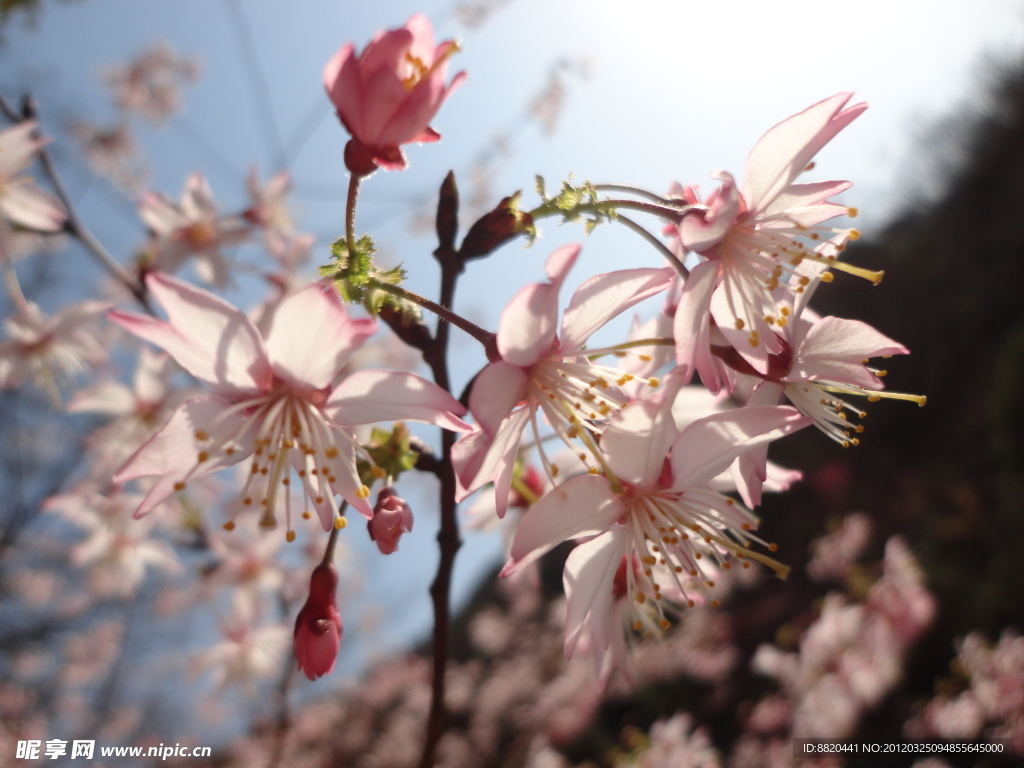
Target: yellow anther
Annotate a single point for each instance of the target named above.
(645, 358)
(179, 486)
(555, 469)
(290, 536)
(331, 452)
(853, 234)
(648, 559)
(340, 523)
(201, 435)
(230, 450)
(827, 277)
(852, 212)
(229, 525)
(247, 501)
(363, 492)
(881, 373)
(773, 547)
(594, 471)
(653, 381)
(641, 598)
(715, 603)
(784, 311)
(624, 378)
(637, 626)
(739, 324)
(306, 515)
(319, 499)
(203, 456)
(665, 624)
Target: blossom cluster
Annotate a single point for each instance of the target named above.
(239, 422)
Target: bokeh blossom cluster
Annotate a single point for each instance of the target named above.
(229, 447)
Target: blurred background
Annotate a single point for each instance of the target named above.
(663, 92)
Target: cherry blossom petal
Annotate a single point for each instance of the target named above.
(603, 297)
(805, 204)
(700, 230)
(526, 330)
(588, 576)
(18, 147)
(311, 336)
(468, 456)
(366, 397)
(834, 349)
(110, 398)
(691, 317)
(782, 153)
(173, 452)
(637, 441)
(560, 261)
(498, 388)
(209, 338)
(582, 506)
(708, 446)
(31, 207)
(500, 459)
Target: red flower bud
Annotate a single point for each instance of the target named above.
(391, 518)
(318, 625)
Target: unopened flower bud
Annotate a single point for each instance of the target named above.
(318, 625)
(391, 518)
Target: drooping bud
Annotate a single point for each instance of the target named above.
(318, 625)
(391, 518)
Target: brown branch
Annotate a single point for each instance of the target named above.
(448, 536)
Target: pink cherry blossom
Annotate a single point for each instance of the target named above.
(148, 86)
(753, 236)
(391, 518)
(49, 350)
(653, 507)
(318, 625)
(819, 359)
(21, 201)
(544, 368)
(278, 397)
(192, 228)
(387, 96)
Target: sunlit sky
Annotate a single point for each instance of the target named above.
(673, 91)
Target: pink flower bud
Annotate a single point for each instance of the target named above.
(391, 518)
(388, 95)
(318, 625)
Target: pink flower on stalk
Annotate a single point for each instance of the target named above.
(318, 625)
(387, 96)
(391, 518)
(279, 397)
(753, 238)
(653, 507)
(548, 370)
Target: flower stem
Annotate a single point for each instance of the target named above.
(631, 190)
(660, 246)
(13, 286)
(350, 212)
(486, 338)
(669, 213)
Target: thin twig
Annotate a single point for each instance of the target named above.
(486, 338)
(74, 225)
(650, 238)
